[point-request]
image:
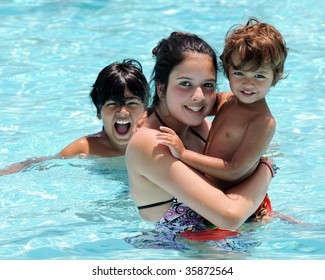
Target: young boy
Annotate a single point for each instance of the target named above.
(120, 94)
(243, 127)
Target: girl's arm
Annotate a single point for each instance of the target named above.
(152, 165)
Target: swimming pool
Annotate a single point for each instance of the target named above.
(51, 52)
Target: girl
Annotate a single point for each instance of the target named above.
(164, 188)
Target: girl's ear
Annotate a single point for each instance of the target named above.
(160, 91)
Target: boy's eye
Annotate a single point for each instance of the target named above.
(133, 103)
(259, 76)
(110, 104)
(238, 73)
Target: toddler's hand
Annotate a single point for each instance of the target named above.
(170, 139)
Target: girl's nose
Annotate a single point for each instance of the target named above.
(198, 94)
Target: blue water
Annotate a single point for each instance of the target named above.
(51, 53)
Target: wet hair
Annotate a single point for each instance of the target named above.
(113, 81)
(255, 44)
(172, 51)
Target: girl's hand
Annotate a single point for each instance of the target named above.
(170, 139)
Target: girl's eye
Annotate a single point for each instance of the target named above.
(185, 84)
(238, 73)
(209, 85)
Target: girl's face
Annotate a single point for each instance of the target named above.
(191, 89)
(119, 119)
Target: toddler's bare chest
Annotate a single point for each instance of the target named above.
(227, 132)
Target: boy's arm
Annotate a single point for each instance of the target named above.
(77, 147)
(256, 141)
(170, 139)
(254, 144)
(16, 167)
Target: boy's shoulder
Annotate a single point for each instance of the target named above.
(224, 97)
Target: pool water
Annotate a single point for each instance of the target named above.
(51, 53)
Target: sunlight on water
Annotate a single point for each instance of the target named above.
(51, 52)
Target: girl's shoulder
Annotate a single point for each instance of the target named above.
(143, 137)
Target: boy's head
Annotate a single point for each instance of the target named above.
(113, 81)
(254, 45)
